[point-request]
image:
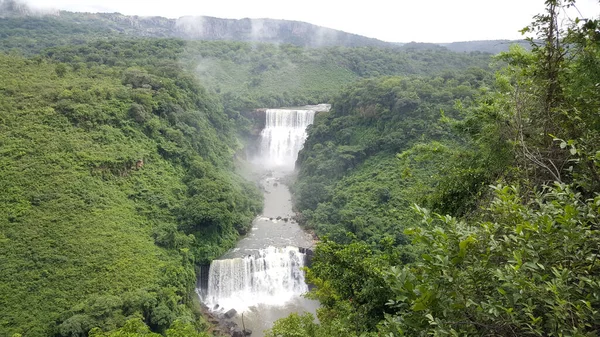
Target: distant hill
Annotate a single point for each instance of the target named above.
(485, 46)
(18, 22)
(269, 30)
(189, 27)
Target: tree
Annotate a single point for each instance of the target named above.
(530, 270)
(550, 114)
(295, 325)
(132, 328)
(61, 69)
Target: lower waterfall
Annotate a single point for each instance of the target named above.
(272, 276)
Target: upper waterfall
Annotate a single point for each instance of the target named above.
(284, 134)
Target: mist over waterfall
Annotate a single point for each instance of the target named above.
(283, 136)
(272, 276)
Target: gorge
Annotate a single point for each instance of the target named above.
(452, 192)
(262, 277)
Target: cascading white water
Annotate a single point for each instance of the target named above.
(272, 276)
(284, 135)
(261, 281)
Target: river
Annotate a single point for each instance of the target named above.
(262, 278)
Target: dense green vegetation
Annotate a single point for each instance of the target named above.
(474, 214)
(116, 180)
(117, 171)
(249, 75)
(117, 164)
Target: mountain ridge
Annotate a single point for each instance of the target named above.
(277, 31)
(199, 27)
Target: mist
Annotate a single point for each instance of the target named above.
(14, 7)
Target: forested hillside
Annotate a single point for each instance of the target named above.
(351, 179)
(461, 206)
(116, 181)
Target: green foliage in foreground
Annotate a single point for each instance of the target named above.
(136, 328)
(110, 178)
(530, 269)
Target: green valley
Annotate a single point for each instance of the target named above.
(119, 168)
(449, 193)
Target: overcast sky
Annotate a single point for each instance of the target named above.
(388, 20)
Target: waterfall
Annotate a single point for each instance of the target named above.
(256, 274)
(284, 135)
(272, 276)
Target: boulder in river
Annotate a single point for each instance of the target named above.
(230, 313)
(237, 333)
(247, 332)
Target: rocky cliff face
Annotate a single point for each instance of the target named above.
(258, 30)
(269, 30)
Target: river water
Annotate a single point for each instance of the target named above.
(262, 278)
